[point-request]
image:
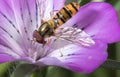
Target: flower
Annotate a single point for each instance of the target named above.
(19, 18)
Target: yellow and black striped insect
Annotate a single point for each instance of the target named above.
(48, 28)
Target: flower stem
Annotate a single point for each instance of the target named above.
(42, 72)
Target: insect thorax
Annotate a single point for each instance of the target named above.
(47, 28)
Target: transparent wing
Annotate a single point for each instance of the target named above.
(75, 35)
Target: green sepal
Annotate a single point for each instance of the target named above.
(112, 64)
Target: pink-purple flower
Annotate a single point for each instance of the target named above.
(19, 18)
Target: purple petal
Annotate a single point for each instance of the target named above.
(79, 59)
(50, 7)
(18, 19)
(58, 4)
(19, 14)
(45, 7)
(49, 61)
(9, 52)
(98, 19)
(7, 19)
(5, 58)
(10, 43)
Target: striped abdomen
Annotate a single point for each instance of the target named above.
(66, 13)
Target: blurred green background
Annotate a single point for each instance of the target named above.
(113, 50)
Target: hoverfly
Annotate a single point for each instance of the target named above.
(49, 27)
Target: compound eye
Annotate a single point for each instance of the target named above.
(37, 37)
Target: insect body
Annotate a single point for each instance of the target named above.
(48, 28)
